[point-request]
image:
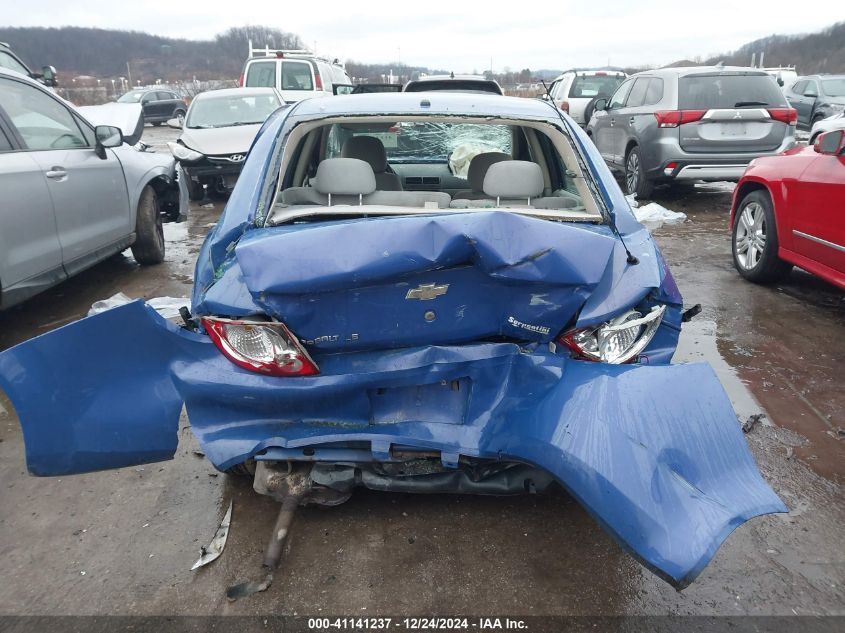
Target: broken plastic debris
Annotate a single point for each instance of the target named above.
(215, 548)
(752, 421)
(168, 307)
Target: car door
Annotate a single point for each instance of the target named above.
(608, 134)
(30, 254)
(626, 115)
(88, 192)
(818, 209)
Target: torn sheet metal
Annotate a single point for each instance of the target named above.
(213, 550)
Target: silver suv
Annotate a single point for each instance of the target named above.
(700, 123)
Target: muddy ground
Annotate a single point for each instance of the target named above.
(123, 541)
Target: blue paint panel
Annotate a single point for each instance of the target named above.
(95, 394)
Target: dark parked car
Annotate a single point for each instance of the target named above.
(817, 97)
(698, 123)
(159, 105)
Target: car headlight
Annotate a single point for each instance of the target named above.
(180, 152)
(619, 340)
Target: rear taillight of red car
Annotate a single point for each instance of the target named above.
(267, 348)
(674, 118)
(784, 115)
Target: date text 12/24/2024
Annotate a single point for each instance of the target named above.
(416, 624)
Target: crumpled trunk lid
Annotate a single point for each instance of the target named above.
(403, 281)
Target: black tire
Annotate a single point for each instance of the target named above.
(754, 240)
(180, 114)
(148, 248)
(636, 182)
(196, 190)
(591, 106)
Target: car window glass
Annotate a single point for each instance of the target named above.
(7, 61)
(834, 87)
(5, 145)
(705, 92)
(148, 97)
(163, 96)
(428, 142)
(133, 96)
(798, 87)
(231, 110)
(637, 95)
(618, 98)
(654, 93)
(261, 75)
(296, 76)
(42, 121)
(589, 86)
(812, 89)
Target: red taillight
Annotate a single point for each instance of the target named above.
(784, 115)
(241, 80)
(670, 168)
(564, 105)
(674, 118)
(318, 81)
(266, 348)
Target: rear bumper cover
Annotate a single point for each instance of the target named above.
(653, 452)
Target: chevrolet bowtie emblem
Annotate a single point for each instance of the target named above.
(424, 292)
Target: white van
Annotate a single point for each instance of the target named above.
(297, 74)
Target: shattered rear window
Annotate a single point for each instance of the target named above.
(427, 142)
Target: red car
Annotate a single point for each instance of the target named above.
(789, 210)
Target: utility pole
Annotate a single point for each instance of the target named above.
(128, 72)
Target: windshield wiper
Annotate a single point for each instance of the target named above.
(236, 123)
(742, 104)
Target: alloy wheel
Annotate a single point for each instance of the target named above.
(632, 172)
(750, 240)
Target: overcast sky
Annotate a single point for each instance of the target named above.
(462, 35)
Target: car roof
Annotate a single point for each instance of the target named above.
(452, 76)
(437, 103)
(685, 71)
(236, 92)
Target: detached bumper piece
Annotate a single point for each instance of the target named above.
(653, 452)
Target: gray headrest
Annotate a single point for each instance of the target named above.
(367, 148)
(514, 179)
(478, 167)
(345, 176)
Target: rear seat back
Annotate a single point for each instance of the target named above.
(514, 183)
(351, 181)
(476, 172)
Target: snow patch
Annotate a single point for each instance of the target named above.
(168, 307)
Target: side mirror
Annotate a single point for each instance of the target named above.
(175, 123)
(831, 143)
(600, 105)
(107, 136)
(811, 92)
(48, 73)
(780, 82)
(545, 96)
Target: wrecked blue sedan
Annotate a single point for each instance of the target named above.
(418, 293)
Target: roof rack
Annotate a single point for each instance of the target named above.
(616, 69)
(283, 52)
